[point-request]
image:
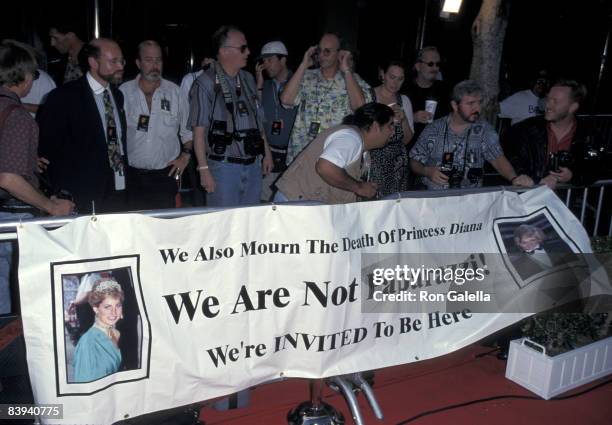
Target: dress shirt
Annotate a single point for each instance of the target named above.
(154, 147)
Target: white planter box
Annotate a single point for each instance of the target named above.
(549, 376)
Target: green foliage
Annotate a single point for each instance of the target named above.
(561, 332)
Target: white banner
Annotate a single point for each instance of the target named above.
(222, 301)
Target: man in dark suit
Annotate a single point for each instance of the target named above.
(83, 129)
(535, 253)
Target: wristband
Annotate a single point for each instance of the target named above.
(514, 178)
(202, 167)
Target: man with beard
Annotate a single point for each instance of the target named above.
(450, 152)
(429, 95)
(82, 132)
(158, 142)
(557, 148)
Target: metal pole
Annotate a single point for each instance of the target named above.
(96, 19)
(602, 66)
(422, 35)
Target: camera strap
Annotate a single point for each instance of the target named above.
(466, 138)
(221, 81)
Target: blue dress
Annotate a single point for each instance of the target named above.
(95, 356)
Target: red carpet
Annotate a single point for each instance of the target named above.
(411, 391)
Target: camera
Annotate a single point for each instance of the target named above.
(474, 175)
(454, 175)
(252, 140)
(218, 138)
(559, 159)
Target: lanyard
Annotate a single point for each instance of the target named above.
(466, 138)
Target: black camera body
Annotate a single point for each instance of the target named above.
(454, 176)
(218, 137)
(252, 140)
(559, 159)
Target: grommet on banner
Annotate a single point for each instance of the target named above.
(93, 211)
(399, 198)
(273, 206)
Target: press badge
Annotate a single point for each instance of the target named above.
(165, 105)
(243, 111)
(314, 128)
(277, 126)
(143, 123)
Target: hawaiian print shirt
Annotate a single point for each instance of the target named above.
(321, 101)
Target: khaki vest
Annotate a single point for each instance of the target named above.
(302, 182)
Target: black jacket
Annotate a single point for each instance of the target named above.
(526, 145)
(72, 138)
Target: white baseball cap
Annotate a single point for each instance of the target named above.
(273, 48)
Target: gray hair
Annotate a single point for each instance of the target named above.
(147, 43)
(529, 231)
(465, 88)
(424, 50)
(16, 60)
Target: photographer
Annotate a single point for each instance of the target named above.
(19, 194)
(324, 94)
(227, 122)
(451, 151)
(556, 148)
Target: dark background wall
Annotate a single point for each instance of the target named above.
(565, 36)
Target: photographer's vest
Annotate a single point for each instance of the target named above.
(302, 182)
(224, 105)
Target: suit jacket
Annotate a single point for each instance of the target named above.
(72, 138)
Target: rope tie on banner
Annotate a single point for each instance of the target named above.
(399, 198)
(93, 211)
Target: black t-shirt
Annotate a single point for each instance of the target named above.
(439, 91)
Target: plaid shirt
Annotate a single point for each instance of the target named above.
(437, 138)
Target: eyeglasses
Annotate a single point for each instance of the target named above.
(153, 60)
(35, 75)
(431, 64)
(117, 61)
(326, 51)
(242, 48)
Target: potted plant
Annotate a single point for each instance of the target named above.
(560, 351)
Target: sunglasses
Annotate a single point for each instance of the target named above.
(431, 64)
(326, 51)
(242, 48)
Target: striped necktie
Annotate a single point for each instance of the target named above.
(114, 157)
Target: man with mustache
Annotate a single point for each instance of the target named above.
(82, 132)
(158, 141)
(450, 152)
